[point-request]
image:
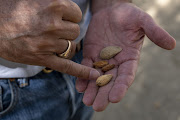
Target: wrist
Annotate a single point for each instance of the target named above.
(101, 4)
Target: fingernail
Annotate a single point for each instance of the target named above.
(94, 74)
(78, 86)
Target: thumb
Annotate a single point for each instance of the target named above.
(71, 68)
(156, 34)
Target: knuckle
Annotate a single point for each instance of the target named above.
(63, 4)
(67, 67)
(76, 31)
(60, 4)
(78, 11)
(127, 81)
(79, 14)
(34, 47)
(82, 73)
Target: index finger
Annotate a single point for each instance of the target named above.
(70, 67)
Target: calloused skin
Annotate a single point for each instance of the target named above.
(122, 25)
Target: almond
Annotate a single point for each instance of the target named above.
(108, 67)
(103, 80)
(109, 52)
(100, 64)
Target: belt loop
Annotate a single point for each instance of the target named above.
(12, 79)
(23, 82)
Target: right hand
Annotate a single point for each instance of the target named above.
(32, 31)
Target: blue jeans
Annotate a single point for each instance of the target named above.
(48, 97)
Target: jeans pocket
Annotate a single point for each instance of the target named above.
(8, 96)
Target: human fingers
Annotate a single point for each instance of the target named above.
(70, 47)
(48, 44)
(51, 20)
(32, 50)
(70, 67)
(102, 98)
(91, 91)
(63, 30)
(67, 9)
(81, 84)
(156, 34)
(125, 77)
(74, 16)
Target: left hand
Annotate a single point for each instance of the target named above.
(122, 25)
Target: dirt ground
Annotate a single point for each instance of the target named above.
(155, 94)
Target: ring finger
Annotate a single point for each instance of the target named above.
(65, 49)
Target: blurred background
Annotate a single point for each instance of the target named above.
(155, 94)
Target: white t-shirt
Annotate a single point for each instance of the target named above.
(16, 70)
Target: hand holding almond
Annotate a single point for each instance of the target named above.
(123, 25)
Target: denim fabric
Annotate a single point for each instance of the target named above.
(48, 97)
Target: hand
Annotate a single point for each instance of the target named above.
(33, 31)
(122, 25)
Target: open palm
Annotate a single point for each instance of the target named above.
(122, 25)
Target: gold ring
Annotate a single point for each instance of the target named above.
(67, 53)
(47, 70)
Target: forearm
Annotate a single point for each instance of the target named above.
(100, 4)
